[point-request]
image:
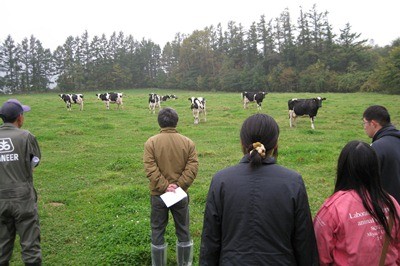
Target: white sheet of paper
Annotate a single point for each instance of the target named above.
(170, 198)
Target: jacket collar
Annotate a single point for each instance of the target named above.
(168, 130)
(389, 130)
(268, 160)
(8, 125)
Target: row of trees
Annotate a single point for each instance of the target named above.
(274, 55)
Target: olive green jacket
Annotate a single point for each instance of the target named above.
(17, 149)
(169, 158)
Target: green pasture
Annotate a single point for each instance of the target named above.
(93, 193)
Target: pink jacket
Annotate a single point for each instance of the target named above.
(348, 235)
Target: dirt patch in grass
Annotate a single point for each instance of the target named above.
(56, 204)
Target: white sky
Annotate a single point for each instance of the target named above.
(52, 21)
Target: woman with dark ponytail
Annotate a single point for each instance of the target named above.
(257, 212)
(353, 224)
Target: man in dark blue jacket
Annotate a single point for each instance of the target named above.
(386, 143)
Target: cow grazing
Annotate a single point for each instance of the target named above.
(300, 107)
(256, 97)
(154, 101)
(165, 98)
(69, 99)
(198, 106)
(111, 97)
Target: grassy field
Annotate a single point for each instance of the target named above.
(93, 193)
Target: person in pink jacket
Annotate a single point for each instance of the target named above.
(353, 224)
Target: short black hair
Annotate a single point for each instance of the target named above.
(378, 113)
(167, 117)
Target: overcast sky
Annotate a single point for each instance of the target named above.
(52, 21)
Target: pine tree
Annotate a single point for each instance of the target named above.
(9, 65)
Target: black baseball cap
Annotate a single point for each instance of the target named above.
(12, 108)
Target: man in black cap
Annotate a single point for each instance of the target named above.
(19, 155)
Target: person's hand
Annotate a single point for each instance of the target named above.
(172, 187)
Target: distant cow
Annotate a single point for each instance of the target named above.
(165, 98)
(198, 106)
(111, 97)
(256, 97)
(154, 101)
(69, 99)
(300, 107)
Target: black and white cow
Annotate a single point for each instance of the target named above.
(154, 101)
(300, 107)
(69, 99)
(256, 97)
(111, 97)
(165, 98)
(198, 106)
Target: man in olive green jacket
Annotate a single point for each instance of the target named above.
(19, 155)
(170, 161)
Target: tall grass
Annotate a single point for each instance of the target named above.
(93, 193)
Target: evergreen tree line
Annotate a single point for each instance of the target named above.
(274, 55)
